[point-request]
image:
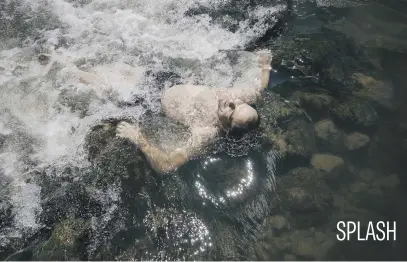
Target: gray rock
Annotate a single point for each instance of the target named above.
(356, 141)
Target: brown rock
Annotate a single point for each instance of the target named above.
(326, 162)
(356, 140)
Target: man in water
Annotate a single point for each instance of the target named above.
(206, 112)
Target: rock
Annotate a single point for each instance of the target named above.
(305, 248)
(65, 243)
(307, 245)
(327, 163)
(333, 168)
(307, 196)
(356, 111)
(262, 251)
(278, 222)
(282, 244)
(315, 101)
(329, 136)
(358, 187)
(273, 110)
(319, 237)
(113, 154)
(290, 257)
(389, 182)
(366, 174)
(377, 91)
(374, 196)
(356, 141)
(286, 127)
(300, 138)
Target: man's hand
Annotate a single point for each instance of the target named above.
(131, 132)
(265, 59)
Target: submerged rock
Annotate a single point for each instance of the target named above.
(315, 101)
(329, 136)
(332, 167)
(326, 162)
(307, 196)
(312, 245)
(286, 127)
(290, 257)
(297, 139)
(116, 155)
(356, 111)
(374, 90)
(65, 242)
(356, 141)
(278, 222)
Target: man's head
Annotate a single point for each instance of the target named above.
(236, 116)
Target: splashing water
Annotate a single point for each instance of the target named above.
(46, 111)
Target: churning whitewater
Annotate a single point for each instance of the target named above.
(46, 111)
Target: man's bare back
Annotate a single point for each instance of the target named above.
(205, 111)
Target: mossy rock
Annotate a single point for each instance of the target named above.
(286, 126)
(303, 192)
(356, 141)
(315, 101)
(274, 110)
(65, 242)
(329, 136)
(374, 90)
(356, 111)
(329, 56)
(300, 138)
(110, 153)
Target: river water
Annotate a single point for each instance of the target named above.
(331, 147)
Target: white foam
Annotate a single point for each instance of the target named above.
(145, 34)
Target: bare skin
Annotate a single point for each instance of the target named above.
(205, 111)
(100, 77)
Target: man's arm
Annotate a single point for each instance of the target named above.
(250, 94)
(164, 162)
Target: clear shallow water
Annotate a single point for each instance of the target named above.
(223, 206)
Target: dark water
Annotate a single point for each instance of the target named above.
(331, 147)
